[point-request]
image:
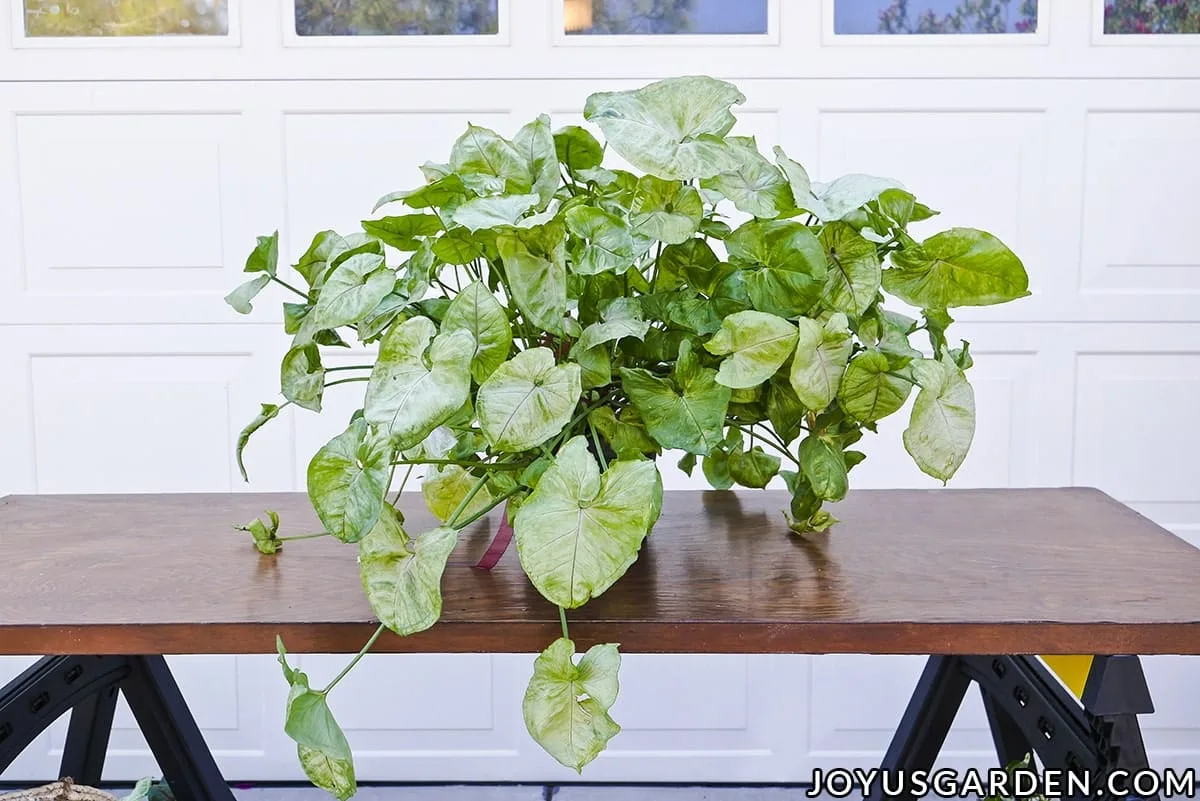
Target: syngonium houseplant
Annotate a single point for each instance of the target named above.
(546, 326)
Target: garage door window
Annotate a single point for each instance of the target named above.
(397, 18)
(934, 17)
(125, 18)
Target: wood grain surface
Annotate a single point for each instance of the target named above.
(1035, 571)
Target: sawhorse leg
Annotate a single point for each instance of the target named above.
(87, 686)
(1028, 711)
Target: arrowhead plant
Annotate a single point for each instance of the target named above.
(542, 327)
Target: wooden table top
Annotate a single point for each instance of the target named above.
(1034, 571)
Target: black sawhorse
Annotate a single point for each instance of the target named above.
(87, 686)
(1029, 711)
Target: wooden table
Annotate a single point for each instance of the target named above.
(981, 580)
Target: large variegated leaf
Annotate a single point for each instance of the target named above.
(853, 281)
(870, 389)
(756, 186)
(535, 142)
(820, 360)
(402, 577)
(347, 479)
(755, 345)
(408, 398)
(322, 747)
(477, 311)
(579, 531)
(566, 704)
(535, 263)
(942, 424)
(688, 412)
(352, 290)
(444, 488)
(527, 400)
(671, 129)
(959, 267)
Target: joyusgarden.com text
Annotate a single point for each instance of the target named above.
(842, 783)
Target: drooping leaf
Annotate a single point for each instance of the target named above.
(671, 129)
(621, 319)
(239, 299)
(870, 390)
(536, 144)
(824, 466)
(789, 268)
(577, 148)
(352, 290)
(579, 531)
(820, 360)
(942, 424)
(847, 193)
(321, 745)
(604, 242)
(755, 345)
(347, 479)
(687, 413)
(404, 232)
(537, 272)
(302, 377)
(665, 211)
(566, 704)
(624, 436)
(527, 400)
(265, 536)
(402, 577)
(457, 246)
(482, 213)
(407, 398)
(477, 311)
(269, 412)
(445, 193)
(444, 488)
(854, 273)
(481, 151)
(755, 186)
(959, 267)
(753, 468)
(784, 408)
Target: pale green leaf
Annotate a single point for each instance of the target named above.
(404, 232)
(603, 242)
(527, 400)
(942, 423)
(622, 434)
(477, 311)
(788, 266)
(959, 267)
(481, 151)
(334, 775)
(824, 466)
(302, 377)
(579, 531)
(820, 360)
(309, 721)
(347, 479)
(577, 148)
(566, 705)
(457, 246)
(408, 398)
(352, 290)
(483, 213)
(854, 271)
(536, 144)
(665, 211)
(240, 297)
(622, 318)
(756, 186)
(537, 273)
(846, 194)
(265, 256)
(687, 413)
(444, 488)
(402, 577)
(672, 128)
(755, 345)
(870, 390)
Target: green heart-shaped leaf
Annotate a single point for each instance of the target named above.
(566, 705)
(820, 360)
(755, 343)
(942, 423)
(352, 290)
(402, 576)
(854, 272)
(687, 413)
(870, 390)
(477, 311)
(527, 400)
(959, 267)
(347, 479)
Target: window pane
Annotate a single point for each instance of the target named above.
(126, 17)
(934, 16)
(653, 17)
(396, 17)
(1152, 16)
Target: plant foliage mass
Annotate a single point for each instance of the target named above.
(547, 323)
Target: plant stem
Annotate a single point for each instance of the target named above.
(286, 285)
(350, 367)
(562, 618)
(305, 536)
(599, 448)
(462, 505)
(488, 508)
(774, 443)
(403, 482)
(347, 381)
(463, 463)
(354, 661)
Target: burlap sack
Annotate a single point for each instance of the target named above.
(64, 790)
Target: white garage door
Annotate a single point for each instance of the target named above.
(136, 169)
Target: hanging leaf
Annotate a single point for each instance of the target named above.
(406, 398)
(959, 267)
(536, 145)
(579, 531)
(302, 377)
(820, 360)
(537, 272)
(265, 256)
(402, 577)
(347, 479)
(240, 298)
(942, 424)
(566, 704)
(870, 390)
(824, 466)
(321, 745)
(527, 400)
(352, 290)
(756, 344)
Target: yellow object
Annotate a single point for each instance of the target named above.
(577, 15)
(1071, 670)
